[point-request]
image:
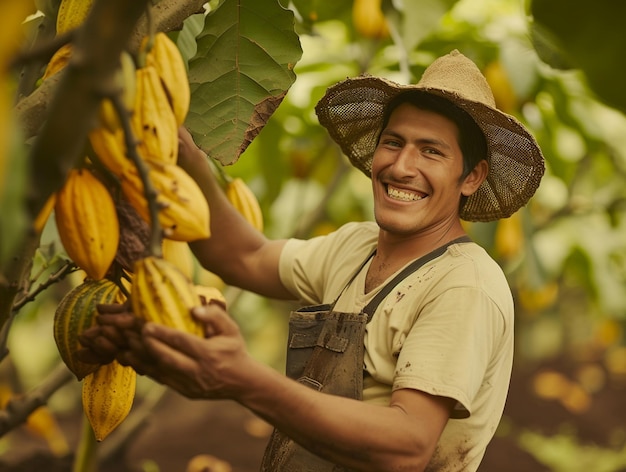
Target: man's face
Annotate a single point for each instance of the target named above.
(415, 173)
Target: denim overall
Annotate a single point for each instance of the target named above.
(325, 352)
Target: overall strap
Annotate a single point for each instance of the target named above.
(412, 267)
(332, 305)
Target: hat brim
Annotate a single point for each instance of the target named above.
(352, 111)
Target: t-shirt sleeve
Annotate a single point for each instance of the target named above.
(449, 347)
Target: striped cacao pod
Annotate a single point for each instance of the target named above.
(110, 149)
(75, 313)
(153, 120)
(58, 60)
(165, 57)
(162, 294)
(179, 253)
(183, 209)
(71, 14)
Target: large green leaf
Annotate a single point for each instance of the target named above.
(240, 74)
(590, 36)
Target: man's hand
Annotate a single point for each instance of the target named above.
(190, 157)
(211, 367)
(103, 342)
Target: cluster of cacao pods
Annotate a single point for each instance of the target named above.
(104, 221)
(104, 214)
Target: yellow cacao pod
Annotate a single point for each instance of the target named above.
(75, 313)
(207, 462)
(71, 14)
(536, 299)
(165, 57)
(183, 210)
(42, 218)
(162, 294)
(503, 92)
(110, 149)
(368, 19)
(246, 203)
(87, 222)
(509, 236)
(153, 120)
(108, 395)
(179, 253)
(208, 278)
(58, 61)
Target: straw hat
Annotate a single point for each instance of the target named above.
(353, 109)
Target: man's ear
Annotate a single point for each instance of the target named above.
(475, 178)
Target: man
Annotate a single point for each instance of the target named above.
(401, 358)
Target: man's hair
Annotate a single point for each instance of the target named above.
(472, 140)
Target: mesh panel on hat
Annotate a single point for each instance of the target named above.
(513, 177)
(357, 123)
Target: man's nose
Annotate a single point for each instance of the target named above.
(407, 161)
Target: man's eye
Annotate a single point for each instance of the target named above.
(392, 142)
(432, 151)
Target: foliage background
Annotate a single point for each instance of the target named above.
(564, 254)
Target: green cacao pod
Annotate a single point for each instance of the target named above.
(75, 313)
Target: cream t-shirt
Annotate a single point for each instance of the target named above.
(446, 329)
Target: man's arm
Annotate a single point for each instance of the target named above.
(235, 251)
(351, 433)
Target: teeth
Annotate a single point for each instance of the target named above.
(404, 196)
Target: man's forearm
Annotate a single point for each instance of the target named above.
(230, 233)
(235, 251)
(347, 432)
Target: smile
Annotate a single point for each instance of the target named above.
(404, 195)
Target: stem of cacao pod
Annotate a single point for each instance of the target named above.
(141, 55)
(58, 275)
(154, 245)
(86, 455)
(117, 278)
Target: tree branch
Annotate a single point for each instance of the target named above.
(32, 65)
(168, 15)
(19, 408)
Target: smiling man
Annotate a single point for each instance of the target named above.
(401, 356)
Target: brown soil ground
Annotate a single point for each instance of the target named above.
(179, 429)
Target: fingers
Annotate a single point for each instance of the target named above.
(113, 308)
(138, 356)
(121, 321)
(89, 356)
(104, 341)
(215, 319)
(162, 360)
(184, 136)
(163, 342)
